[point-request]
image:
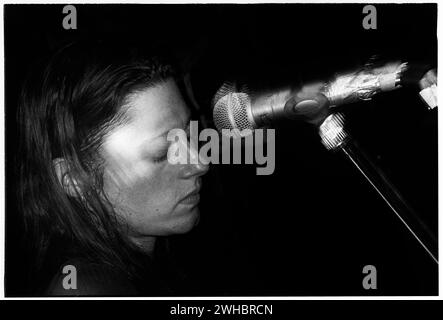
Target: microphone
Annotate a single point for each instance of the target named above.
(236, 108)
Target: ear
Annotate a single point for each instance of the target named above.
(66, 177)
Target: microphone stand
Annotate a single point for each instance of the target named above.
(335, 138)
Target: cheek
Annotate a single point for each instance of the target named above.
(145, 195)
(157, 192)
(148, 202)
(150, 206)
(142, 187)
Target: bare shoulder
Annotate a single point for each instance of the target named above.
(81, 278)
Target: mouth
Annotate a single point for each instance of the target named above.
(193, 197)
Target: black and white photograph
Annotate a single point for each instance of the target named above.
(220, 150)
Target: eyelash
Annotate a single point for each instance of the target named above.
(165, 156)
(161, 159)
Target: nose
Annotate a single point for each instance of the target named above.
(196, 167)
(195, 170)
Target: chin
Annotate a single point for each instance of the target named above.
(188, 221)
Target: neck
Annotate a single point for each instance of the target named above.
(146, 244)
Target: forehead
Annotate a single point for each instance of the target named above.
(158, 109)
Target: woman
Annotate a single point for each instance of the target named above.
(96, 189)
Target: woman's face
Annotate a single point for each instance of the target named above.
(153, 196)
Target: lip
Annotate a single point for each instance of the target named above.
(192, 197)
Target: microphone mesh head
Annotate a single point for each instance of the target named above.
(232, 111)
(332, 131)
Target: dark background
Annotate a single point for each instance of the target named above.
(311, 227)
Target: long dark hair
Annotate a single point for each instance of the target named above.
(67, 106)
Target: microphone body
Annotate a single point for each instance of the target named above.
(237, 107)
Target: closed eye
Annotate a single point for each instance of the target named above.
(160, 158)
(158, 155)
